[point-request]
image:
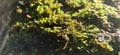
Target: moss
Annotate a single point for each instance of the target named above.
(56, 26)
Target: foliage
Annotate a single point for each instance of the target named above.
(65, 27)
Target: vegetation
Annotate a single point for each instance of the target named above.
(61, 27)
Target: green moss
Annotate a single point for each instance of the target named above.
(55, 25)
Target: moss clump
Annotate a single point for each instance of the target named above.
(51, 27)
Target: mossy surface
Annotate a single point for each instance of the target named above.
(61, 27)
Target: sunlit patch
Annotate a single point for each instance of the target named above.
(28, 16)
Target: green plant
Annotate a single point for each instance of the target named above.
(63, 27)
